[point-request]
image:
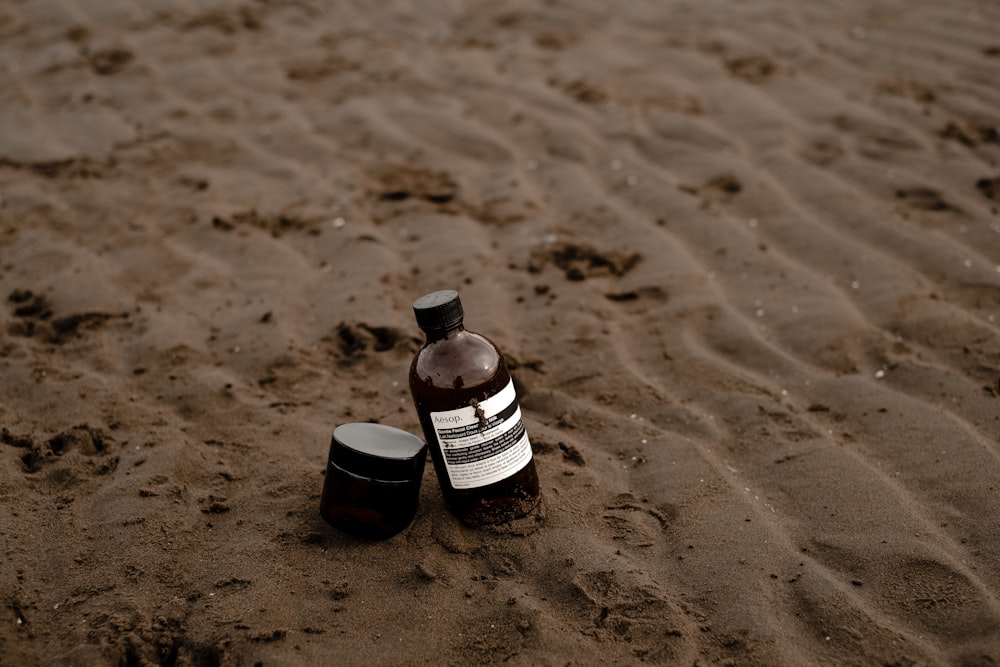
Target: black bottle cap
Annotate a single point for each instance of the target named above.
(378, 452)
(438, 310)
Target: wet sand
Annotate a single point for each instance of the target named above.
(743, 259)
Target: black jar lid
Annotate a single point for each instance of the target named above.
(377, 451)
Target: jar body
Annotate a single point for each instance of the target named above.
(366, 507)
(465, 400)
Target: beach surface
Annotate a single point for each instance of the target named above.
(743, 260)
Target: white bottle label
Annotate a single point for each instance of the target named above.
(483, 443)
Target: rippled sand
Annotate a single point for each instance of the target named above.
(743, 258)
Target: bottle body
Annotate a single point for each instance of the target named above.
(471, 421)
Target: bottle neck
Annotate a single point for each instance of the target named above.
(435, 335)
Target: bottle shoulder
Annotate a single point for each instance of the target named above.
(463, 360)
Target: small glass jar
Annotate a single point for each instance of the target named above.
(372, 483)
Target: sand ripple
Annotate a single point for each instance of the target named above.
(744, 260)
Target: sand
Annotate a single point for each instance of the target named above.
(743, 259)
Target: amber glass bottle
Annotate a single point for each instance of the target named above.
(470, 416)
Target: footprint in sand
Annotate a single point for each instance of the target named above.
(752, 69)
(924, 199)
(34, 318)
(989, 187)
(637, 615)
(635, 522)
(353, 340)
(277, 225)
(580, 262)
(70, 454)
